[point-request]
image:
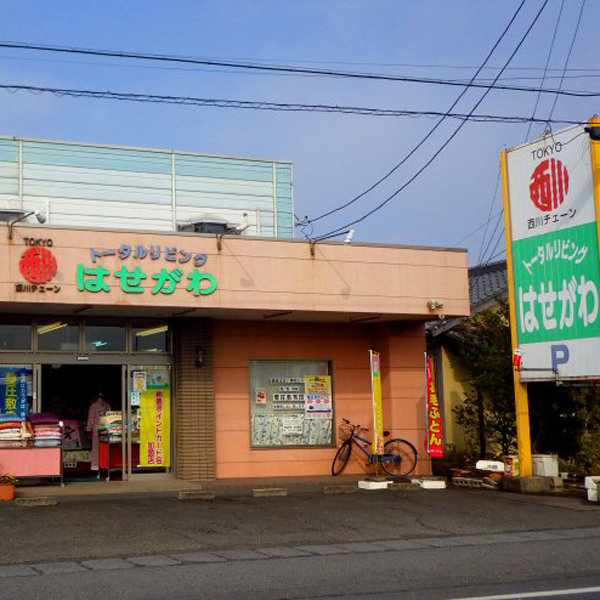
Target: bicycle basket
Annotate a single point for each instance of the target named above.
(345, 431)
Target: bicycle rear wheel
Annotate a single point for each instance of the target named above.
(400, 457)
(342, 456)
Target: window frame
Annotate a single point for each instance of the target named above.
(330, 372)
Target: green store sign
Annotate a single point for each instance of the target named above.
(97, 278)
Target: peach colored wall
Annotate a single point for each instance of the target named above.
(253, 274)
(238, 342)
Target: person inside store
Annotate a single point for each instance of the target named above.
(98, 406)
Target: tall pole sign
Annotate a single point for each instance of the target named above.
(553, 265)
(554, 242)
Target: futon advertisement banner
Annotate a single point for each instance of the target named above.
(435, 439)
(555, 256)
(377, 403)
(155, 425)
(13, 391)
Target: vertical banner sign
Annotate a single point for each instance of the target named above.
(377, 404)
(435, 444)
(155, 425)
(13, 392)
(555, 257)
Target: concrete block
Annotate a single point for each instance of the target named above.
(526, 485)
(404, 487)
(41, 501)
(59, 568)
(107, 564)
(196, 495)
(198, 557)
(556, 482)
(283, 552)
(373, 485)
(324, 549)
(269, 492)
(17, 571)
(340, 489)
(240, 554)
(591, 482)
(153, 561)
(431, 483)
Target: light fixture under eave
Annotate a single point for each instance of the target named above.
(43, 329)
(152, 331)
(39, 215)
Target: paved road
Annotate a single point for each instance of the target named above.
(431, 545)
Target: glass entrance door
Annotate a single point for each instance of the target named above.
(148, 434)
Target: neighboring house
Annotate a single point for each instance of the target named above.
(488, 284)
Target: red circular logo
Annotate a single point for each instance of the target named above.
(549, 184)
(38, 265)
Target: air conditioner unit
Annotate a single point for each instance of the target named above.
(212, 226)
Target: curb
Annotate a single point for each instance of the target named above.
(340, 489)
(196, 495)
(269, 492)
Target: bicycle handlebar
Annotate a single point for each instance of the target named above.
(356, 427)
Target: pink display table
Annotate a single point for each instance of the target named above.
(31, 462)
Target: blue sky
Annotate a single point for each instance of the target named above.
(335, 156)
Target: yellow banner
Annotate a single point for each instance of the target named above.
(377, 402)
(155, 428)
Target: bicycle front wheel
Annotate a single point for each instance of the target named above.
(399, 458)
(342, 456)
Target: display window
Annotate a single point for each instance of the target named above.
(58, 336)
(291, 403)
(150, 338)
(105, 338)
(15, 337)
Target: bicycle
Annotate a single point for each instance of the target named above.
(399, 456)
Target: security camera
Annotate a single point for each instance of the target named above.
(349, 236)
(40, 216)
(241, 228)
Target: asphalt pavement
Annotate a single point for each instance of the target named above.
(452, 543)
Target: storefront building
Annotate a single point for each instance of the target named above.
(196, 355)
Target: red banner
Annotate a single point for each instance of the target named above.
(435, 441)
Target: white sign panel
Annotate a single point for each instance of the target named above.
(555, 256)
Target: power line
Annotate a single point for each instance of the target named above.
(585, 73)
(537, 100)
(428, 134)
(479, 228)
(490, 213)
(568, 56)
(443, 146)
(280, 68)
(272, 106)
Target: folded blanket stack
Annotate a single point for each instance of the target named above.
(15, 434)
(110, 426)
(47, 431)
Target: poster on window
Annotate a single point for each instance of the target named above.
(155, 420)
(14, 391)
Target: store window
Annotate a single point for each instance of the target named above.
(150, 338)
(105, 338)
(58, 336)
(16, 399)
(291, 403)
(15, 336)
